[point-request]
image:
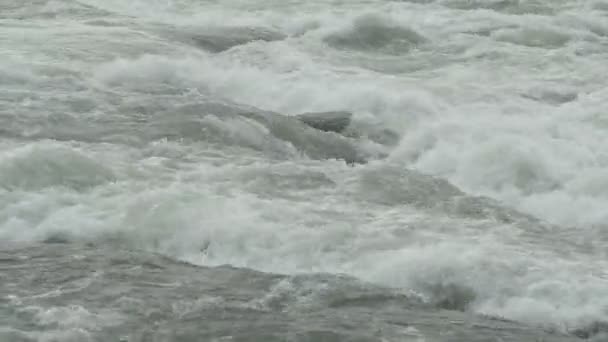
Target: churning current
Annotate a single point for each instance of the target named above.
(323, 170)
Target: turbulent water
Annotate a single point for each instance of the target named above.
(155, 186)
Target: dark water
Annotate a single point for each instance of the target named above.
(93, 293)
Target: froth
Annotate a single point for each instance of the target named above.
(536, 160)
(494, 279)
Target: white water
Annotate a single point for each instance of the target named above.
(505, 103)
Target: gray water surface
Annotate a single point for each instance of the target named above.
(156, 183)
(91, 293)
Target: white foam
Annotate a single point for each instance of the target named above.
(525, 286)
(544, 163)
(77, 317)
(309, 87)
